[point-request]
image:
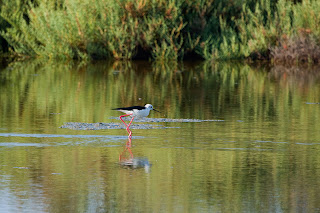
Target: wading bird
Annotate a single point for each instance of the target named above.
(135, 112)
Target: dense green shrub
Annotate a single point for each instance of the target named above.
(161, 30)
(263, 27)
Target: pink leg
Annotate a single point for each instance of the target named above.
(124, 116)
(130, 133)
(130, 122)
(128, 129)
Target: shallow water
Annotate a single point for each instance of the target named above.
(260, 151)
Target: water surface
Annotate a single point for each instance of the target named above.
(260, 152)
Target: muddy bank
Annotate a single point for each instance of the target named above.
(112, 125)
(165, 120)
(100, 126)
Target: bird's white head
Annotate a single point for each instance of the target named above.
(148, 106)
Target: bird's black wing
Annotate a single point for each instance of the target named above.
(130, 108)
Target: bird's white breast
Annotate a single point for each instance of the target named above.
(140, 113)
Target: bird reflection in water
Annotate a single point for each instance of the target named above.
(127, 160)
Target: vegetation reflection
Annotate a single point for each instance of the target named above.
(265, 151)
(44, 94)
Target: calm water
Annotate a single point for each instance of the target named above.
(263, 157)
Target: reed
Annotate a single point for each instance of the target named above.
(160, 30)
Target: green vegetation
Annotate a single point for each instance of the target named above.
(161, 30)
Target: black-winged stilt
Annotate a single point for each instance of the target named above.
(135, 112)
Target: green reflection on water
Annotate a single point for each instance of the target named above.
(264, 155)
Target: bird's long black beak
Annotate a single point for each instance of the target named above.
(156, 110)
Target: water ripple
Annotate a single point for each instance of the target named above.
(114, 137)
